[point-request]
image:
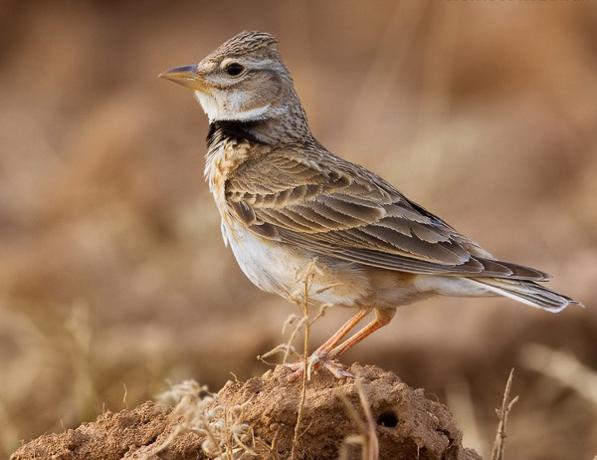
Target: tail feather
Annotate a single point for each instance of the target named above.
(527, 292)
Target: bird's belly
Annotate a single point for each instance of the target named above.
(268, 266)
(276, 268)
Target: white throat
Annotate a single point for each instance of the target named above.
(215, 111)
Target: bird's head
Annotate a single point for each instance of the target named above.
(244, 79)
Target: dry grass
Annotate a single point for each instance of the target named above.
(307, 280)
(227, 436)
(481, 111)
(499, 445)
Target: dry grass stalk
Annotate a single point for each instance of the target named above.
(367, 437)
(308, 277)
(124, 396)
(78, 329)
(562, 367)
(499, 445)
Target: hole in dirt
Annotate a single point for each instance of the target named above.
(388, 419)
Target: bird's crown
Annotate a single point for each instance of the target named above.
(247, 43)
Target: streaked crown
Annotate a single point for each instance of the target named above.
(247, 43)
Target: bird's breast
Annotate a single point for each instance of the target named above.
(222, 159)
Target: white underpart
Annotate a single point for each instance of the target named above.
(273, 269)
(229, 108)
(450, 286)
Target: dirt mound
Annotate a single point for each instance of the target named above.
(256, 419)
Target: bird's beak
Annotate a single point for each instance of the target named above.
(187, 75)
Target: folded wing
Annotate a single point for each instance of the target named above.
(334, 209)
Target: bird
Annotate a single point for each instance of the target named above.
(285, 202)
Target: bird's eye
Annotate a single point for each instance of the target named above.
(234, 69)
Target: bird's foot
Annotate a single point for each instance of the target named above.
(316, 361)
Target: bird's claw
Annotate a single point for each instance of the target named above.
(315, 362)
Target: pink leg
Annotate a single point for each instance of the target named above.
(325, 356)
(348, 326)
(382, 317)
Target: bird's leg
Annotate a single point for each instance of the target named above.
(321, 353)
(382, 317)
(348, 326)
(327, 357)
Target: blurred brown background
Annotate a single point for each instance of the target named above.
(113, 275)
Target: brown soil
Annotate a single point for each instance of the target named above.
(409, 424)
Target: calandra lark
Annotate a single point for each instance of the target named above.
(286, 201)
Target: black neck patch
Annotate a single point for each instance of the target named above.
(237, 130)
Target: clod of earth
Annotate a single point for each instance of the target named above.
(408, 425)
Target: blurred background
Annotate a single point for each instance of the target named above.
(114, 279)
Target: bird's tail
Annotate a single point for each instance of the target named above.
(527, 292)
